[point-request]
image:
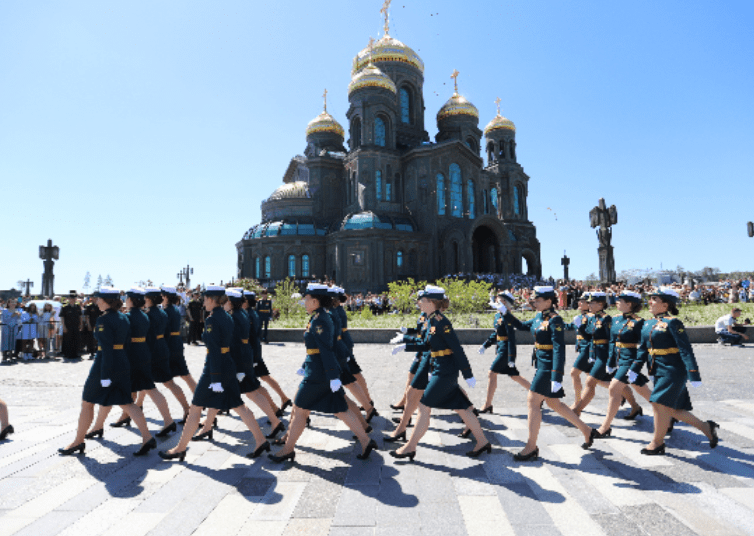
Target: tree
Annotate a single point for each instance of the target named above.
(108, 281)
(287, 298)
(99, 283)
(87, 281)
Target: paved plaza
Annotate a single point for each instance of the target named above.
(610, 490)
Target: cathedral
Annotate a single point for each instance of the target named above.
(387, 203)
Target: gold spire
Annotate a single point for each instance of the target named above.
(384, 9)
(454, 76)
(324, 95)
(370, 47)
(498, 101)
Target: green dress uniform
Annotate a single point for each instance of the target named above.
(218, 365)
(138, 351)
(416, 341)
(625, 335)
(447, 359)
(547, 327)
(504, 339)
(178, 366)
(666, 348)
(347, 340)
(241, 351)
(158, 347)
(598, 327)
(582, 343)
(320, 368)
(341, 350)
(255, 339)
(110, 363)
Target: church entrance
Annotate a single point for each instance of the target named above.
(485, 250)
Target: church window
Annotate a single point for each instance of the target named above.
(470, 197)
(291, 266)
(305, 266)
(513, 150)
(405, 97)
(356, 133)
(388, 192)
(379, 131)
(493, 200)
(440, 194)
(486, 203)
(517, 200)
(472, 144)
(378, 184)
(257, 272)
(399, 259)
(456, 191)
(267, 268)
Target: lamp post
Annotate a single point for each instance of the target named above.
(185, 273)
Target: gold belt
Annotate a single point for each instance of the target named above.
(499, 338)
(175, 334)
(160, 336)
(344, 330)
(600, 341)
(626, 344)
(138, 339)
(117, 347)
(340, 338)
(312, 351)
(542, 346)
(666, 351)
(224, 350)
(580, 338)
(441, 353)
(245, 341)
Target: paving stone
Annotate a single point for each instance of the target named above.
(656, 521)
(319, 500)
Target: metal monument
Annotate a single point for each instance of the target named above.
(750, 229)
(184, 274)
(48, 254)
(28, 284)
(565, 261)
(604, 218)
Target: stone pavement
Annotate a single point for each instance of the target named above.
(611, 490)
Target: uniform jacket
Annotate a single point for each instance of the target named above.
(504, 336)
(264, 308)
(625, 336)
(549, 336)
(665, 347)
(321, 364)
(446, 354)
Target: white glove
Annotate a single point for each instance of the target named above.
(105, 383)
(556, 386)
(577, 321)
(398, 338)
(511, 364)
(216, 387)
(591, 360)
(471, 382)
(335, 385)
(610, 369)
(399, 348)
(481, 349)
(241, 376)
(632, 376)
(301, 372)
(404, 329)
(695, 384)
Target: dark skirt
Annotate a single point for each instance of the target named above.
(161, 372)
(260, 367)
(353, 365)
(671, 391)
(500, 365)
(542, 384)
(599, 371)
(443, 392)
(178, 366)
(141, 368)
(346, 377)
(622, 376)
(421, 376)
(414, 365)
(582, 361)
(249, 384)
(119, 392)
(230, 398)
(317, 396)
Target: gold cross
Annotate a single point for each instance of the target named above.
(498, 101)
(454, 76)
(324, 95)
(384, 9)
(371, 48)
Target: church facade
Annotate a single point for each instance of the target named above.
(387, 203)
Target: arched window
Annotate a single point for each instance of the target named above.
(493, 200)
(405, 98)
(456, 191)
(257, 271)
(291, 266)
(355, 133)
(472, 144)
(399, 259)
(267, 268)
(388, 184)
(305, 266)
(485, 203)
(517, 200)
(470, 197)
(440, 194)
(378, 184)
(513, 150)
(379, 131)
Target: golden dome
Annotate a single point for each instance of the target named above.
(387, 49)
(292, 190)
(324, 122)
(371, 76)
(499, 123)
(457, 105)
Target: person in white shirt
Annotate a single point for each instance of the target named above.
(728, 331)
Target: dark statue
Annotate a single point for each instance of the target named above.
(48, 254)
(604, 218)
(565, 261)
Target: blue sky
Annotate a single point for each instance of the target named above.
(141, 136)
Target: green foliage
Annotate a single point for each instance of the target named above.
(466, 297)
(404, 293)
(366, 314)
(287, 297)
(251, 285)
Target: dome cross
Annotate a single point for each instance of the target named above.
(498, 101)
(324, 96)
(454, 76)
(384, 9)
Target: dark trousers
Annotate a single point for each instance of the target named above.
(195, 331)
(265, 326)
(730, 338)
(71, 344)
(87, 340)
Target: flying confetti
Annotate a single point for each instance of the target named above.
(553, 213)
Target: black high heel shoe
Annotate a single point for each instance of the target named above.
(659, 451)
(172, 427)
(308, 422)
(606, 434)
(94, 433)
(6, 432)
(121, 423)
(397, 420)
(370, 447)
(398, 408)
(146, 447)
(372, 414)
(279, 413)
(476, 453)
(533, 455)
(280, 459)
(279, 428)
(488, 409)
(673, 420)
(257, 453)
(180, 456)
(634, 414)
(206, 436)
(366, 431)
(713, 426)
(287, 404)
(393, 439)
(77, 448)
(466, 433)
(594, 434)
(183, 420)
(409, 455)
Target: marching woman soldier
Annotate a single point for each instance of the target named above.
(159, 353)
(409, 336)
(549, 346)
(243, 358)
(218, 386)
(666, 348)
(443, 392)
(504, 338)
(354, 367)
(582, 346)
(109, 381)
(140, 367)
(321, 389)
(178, 366)
(625, 334)
(6, 428)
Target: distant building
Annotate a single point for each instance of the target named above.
(393, 205)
